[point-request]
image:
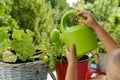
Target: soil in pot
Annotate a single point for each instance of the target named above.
(36, 57)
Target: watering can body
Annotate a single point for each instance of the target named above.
(81, 35)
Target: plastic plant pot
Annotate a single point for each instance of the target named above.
(82, 68)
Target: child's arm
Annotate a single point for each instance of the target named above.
(113, 63)
(71, 73)
(105, 38)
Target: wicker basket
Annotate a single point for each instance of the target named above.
(23, 71)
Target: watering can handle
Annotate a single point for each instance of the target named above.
(65, 16)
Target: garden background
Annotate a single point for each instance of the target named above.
(42, 16)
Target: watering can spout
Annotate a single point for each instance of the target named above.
(55, 35)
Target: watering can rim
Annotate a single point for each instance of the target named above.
(64, 27)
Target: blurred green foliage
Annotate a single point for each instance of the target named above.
(35, 15)
(42, 16)
(5, 19)
(7, 23)
(56, 50)
(59, 10)
(11, 36)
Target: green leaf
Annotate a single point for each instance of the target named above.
(23, 47)
(27, 38)
(3, 35)
(18, 34)
(5, 28)
(41, 57)
(8, 56)
(22, 43)
(29, 32)
(23, 57)
(0, 57)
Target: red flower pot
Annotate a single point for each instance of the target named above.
(82, 68)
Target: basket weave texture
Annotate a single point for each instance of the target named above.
(23, 71)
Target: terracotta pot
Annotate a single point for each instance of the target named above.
(82, 68)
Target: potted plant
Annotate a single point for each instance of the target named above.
(18, 56)
(82, 68)
(17, 49)
(57, 61)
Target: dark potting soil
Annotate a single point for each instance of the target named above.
(84, 58)
(38, 52)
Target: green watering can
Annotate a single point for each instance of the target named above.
(81, 35)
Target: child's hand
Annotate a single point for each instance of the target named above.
(90, 20)
(70, 55)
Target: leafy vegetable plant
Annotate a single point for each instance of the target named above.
(22, 44)
(17, 45)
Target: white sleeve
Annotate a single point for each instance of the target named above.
(116, 57)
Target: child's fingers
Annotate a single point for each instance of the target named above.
(71, 49)
(66, 49)
(82, 12)
(81, 21)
